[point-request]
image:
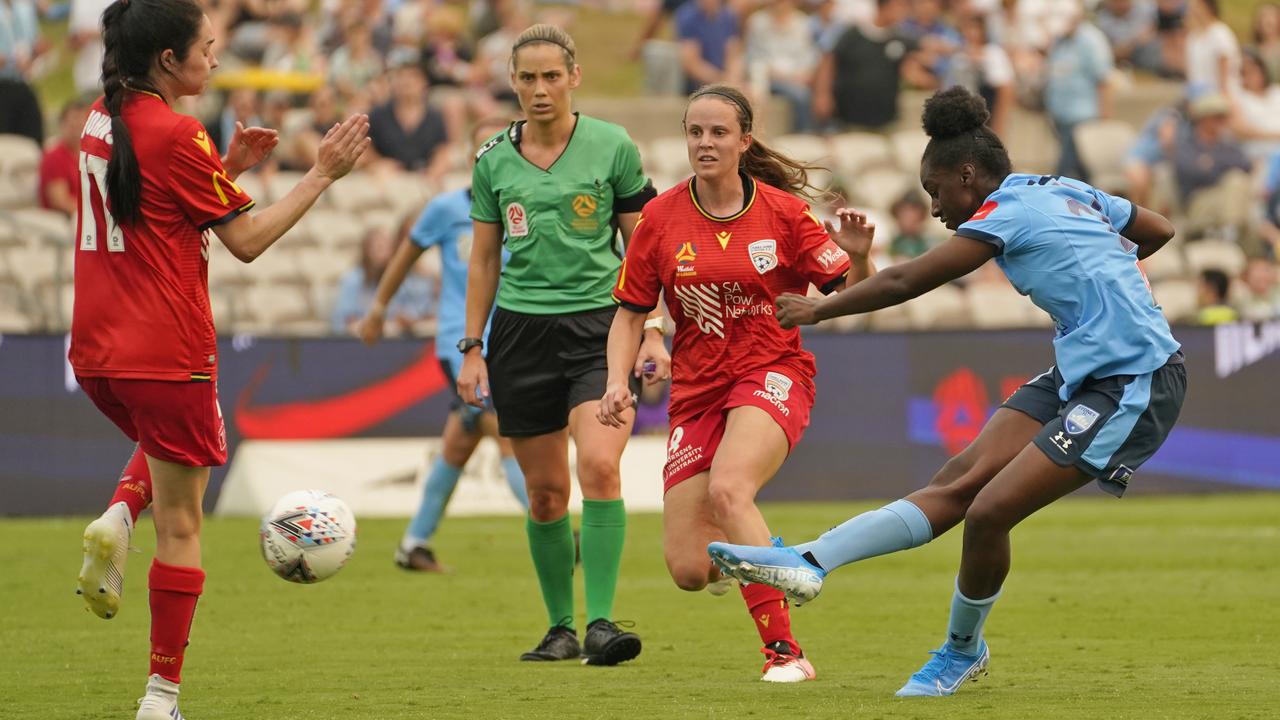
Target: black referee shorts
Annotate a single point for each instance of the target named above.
(543, 366)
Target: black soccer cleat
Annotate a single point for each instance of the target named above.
(605, 644)
(560, 643)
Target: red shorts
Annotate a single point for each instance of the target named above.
(694, 440)
(179, 422)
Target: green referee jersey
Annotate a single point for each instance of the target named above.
(558, 222)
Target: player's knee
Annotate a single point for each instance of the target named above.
(690, 576)
(987, 514)
(548, 503)
(599, 475)
(728, 499)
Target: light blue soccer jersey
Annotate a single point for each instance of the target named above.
(446, 221)
(1060, 243)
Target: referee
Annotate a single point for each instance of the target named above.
(559, 185)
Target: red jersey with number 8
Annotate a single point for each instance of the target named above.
(142, 290)
(720, 277)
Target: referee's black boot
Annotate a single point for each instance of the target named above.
(605, 644)
(560, 643)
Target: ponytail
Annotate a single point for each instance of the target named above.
(761, 161)
(134, 33)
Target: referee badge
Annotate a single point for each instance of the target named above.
(764, 255)
(517, 220)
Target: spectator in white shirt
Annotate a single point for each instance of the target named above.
(781, 55)
(1212, 51)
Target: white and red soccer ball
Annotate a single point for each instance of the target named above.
(308, 536)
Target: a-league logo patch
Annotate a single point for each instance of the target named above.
(517, 221)
(778, 385)
(1080, 418)
(676, 436)
(764, 255)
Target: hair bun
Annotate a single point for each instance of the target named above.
(952, 112)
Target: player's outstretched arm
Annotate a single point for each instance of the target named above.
(1149, 230)
(250, 234)
(624, 338)
(894, 285)
(369, 327)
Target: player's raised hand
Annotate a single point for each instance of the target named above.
(855, 234)
(342, 146)
(617, 398)
(249, 146)
(796, 310)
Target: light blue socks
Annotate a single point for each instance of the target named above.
(515, 479)
(900, 525)
(964, 630)
(441, 481)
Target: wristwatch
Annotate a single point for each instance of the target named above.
(656, 323)
(466, 344)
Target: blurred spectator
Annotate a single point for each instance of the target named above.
(242, 107)
(781, 56)
(984, 68)
(1076, 87)
(406, 131)
(84, 36)
(1212, 173)
(661, 57)
(1266, 36)
(1269, 225)
(1259, 294)
(446, 55)
(60, 165)
(1256, 107)
(298, 148)
(357, 62)
(862, 69)
(412, 303)
(1171, 29)
(1154, 145)
(1212, 55)
(1130, 26)
(710, 44)
(935, 39)
(19, 44)
(909, 215)
(1215, 288)
(292, 47)
(493, 52)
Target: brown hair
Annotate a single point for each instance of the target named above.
(760, 161)
(548, 34)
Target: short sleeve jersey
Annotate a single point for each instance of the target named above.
(141, 290)
(559, 222)
(1061, 242)
(446, 223)
(720, 277)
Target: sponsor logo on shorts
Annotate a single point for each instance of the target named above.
(1062, 441)
(674, 445)
(1080, 418)
(764, 255)
(517, 220)
(777, 389)
(1121, 475)
(680, 457)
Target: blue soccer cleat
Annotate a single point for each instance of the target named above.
(777, 566)
(946, 671)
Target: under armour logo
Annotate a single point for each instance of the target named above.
(965, 639)
(1062, 441)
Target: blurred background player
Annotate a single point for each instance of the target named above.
(142, 336)
(720, 247)
(444, 223)
(1099, 413)
(560, 185)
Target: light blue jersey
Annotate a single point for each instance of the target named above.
(446, 222)
(1060, 243)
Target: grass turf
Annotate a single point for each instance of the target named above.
(1153, 607)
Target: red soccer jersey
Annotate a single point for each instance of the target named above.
(720, 277)
(142, 290)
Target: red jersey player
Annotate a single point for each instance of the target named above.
(142, 335)
(720, 247)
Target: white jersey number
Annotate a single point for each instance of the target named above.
(93, 169)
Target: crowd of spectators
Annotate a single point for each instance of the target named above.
(424, 70)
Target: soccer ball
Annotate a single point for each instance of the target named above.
(308, 536)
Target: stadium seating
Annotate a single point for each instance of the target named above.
(19, 171)
(1103, 145)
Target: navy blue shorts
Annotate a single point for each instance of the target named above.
(1110, 426)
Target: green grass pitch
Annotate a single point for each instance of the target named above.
(1145, 608)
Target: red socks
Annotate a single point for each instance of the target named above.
(174, 592)
(134, 489)
(768, 607)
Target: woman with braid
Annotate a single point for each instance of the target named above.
(142, 337)
(559, 186)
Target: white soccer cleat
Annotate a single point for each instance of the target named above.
(106, 546)
(160, 702)
(782, 665)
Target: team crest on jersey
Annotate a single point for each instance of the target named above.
(764, 255)
(584, 205)
(517, 220)
(723, 239)
(1080, 419)
(778, 385)
(685, 256)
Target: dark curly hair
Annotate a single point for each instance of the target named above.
(956, 122)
